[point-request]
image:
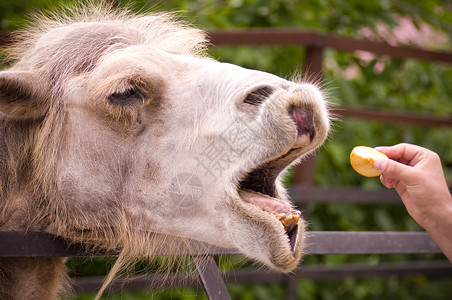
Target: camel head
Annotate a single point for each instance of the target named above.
(121, 129)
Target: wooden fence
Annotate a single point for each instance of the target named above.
(16, 244)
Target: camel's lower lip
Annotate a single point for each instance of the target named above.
(277, 210)
(267, 229)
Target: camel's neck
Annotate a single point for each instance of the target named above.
(32, 278)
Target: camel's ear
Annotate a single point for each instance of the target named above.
(21, 96)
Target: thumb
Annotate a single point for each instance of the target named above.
(392, 169)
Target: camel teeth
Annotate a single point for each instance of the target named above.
(296, 218)
(291, 226)
(280, 216)
(291, 220)
(288, 220)
(295, 212)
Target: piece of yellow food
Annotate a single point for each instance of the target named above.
(362, 159)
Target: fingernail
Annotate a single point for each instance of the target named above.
(380, 164)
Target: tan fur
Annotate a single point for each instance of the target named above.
(81, 161)
(32, 278)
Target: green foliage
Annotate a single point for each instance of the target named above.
(379, 83)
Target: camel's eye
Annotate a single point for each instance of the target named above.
(129, 96)
(258, 96)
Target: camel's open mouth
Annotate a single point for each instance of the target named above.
(258, 187)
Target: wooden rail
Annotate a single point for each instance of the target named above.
(392, 117)
(312, 39)
(37, 244)
(247, 276)
(301, 195)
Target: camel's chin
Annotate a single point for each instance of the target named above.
(275, 238)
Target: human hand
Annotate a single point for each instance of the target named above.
(418, 177)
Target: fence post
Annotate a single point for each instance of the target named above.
(304, 173)
(211, 278)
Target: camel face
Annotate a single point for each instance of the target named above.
(194, 148)
(143, 136)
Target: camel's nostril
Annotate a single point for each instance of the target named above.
(304, 120)
(259, 95)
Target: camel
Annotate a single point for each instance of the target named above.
(119, 132)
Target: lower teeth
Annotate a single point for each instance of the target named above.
(289, 220)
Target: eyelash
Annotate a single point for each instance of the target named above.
(128, 96)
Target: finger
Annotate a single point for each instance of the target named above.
(403, 161)
(401, 189)
(384, 181)
(387, 181)
(402, 152)
(392, 169)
